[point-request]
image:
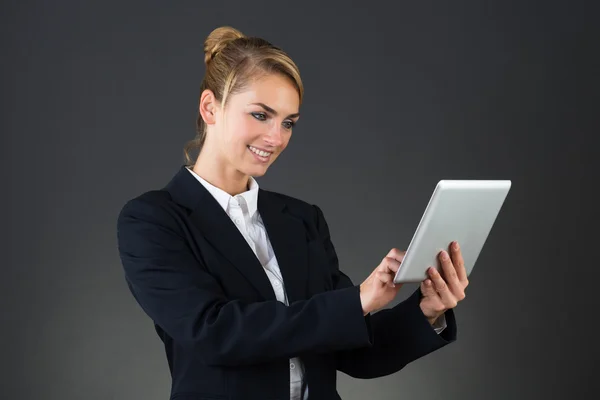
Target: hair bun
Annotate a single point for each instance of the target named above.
(218, 39)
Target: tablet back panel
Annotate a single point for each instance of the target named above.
(461, 210)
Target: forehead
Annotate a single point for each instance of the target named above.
(274, 90)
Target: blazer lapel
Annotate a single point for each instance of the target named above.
(285, 231)
(288, 239)
(216, 226)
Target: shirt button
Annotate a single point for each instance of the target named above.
(237, 221)
(292, 365)
(277, 283)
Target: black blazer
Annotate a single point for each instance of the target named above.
(225, 334)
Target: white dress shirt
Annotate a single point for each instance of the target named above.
(243, 211)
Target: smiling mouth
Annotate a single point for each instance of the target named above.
(260, 154)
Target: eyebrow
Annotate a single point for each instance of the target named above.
(269, 109)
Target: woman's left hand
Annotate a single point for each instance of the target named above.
(443, 291)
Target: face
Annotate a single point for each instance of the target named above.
(256, 124)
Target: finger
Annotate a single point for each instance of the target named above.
(459, 263)
(385, 279)
(442, 288)
(427, 288)
(450, 275)
(389, 265)
(433, 299)
(396, 254)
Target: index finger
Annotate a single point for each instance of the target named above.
(389, 264)
(396, 254)
(459, 263)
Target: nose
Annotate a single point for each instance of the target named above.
(274, 136)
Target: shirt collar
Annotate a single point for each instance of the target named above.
(223, 198)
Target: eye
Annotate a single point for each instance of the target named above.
(289, 124)
(259, 116)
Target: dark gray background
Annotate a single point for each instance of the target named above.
(98, 99)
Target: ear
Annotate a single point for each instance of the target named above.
(208, 107)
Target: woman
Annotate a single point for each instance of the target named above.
(243, 284)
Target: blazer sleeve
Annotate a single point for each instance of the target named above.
(399, 335)
(176, 291)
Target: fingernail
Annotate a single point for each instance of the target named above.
(444, 255)
(455, 246)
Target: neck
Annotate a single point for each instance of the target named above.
(219, 173)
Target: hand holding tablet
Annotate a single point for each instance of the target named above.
(459, 210)
(442, 291)
(449, 239)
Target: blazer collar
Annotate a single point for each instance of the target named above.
(285, 231)
(250, 196)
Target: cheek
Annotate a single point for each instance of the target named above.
(239, 132)
(246, 130)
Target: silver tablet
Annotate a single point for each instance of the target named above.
(461, 210)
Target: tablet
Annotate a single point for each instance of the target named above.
(461, 210)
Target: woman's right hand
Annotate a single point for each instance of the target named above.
(379, 288)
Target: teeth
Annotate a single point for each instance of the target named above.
(259, 152)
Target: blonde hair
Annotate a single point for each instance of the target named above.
(232, 61)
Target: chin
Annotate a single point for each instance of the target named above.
(253, 170)
(257, 172)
